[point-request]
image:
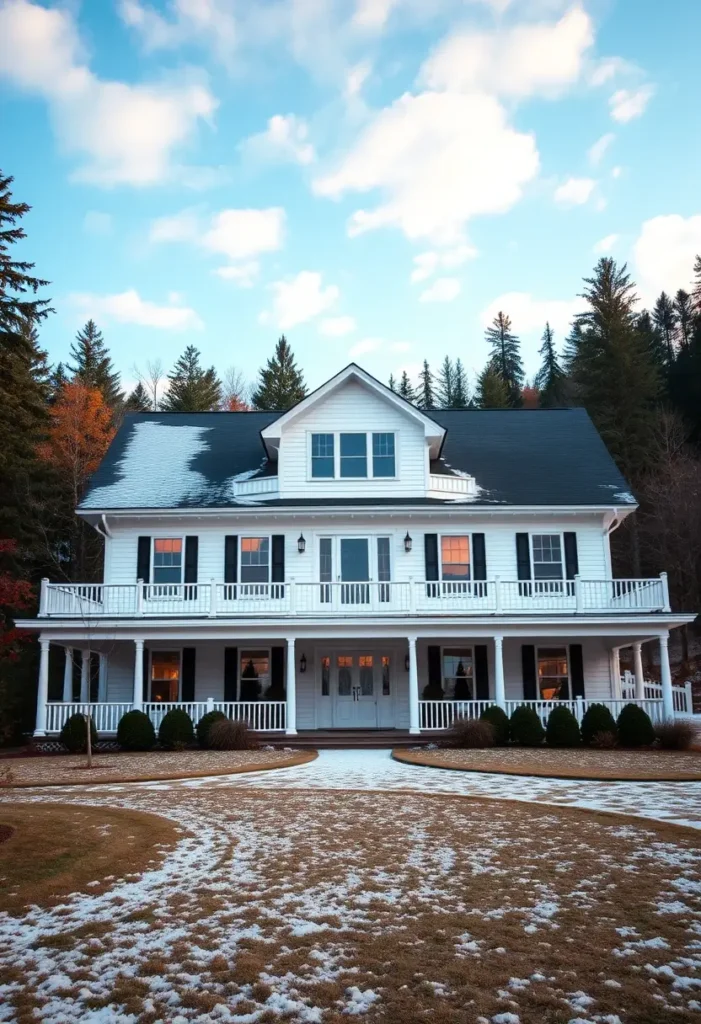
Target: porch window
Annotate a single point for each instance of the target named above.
(547, 556)
(168, 560)
(255, 559)
(455, 559)
(255, 674)
(322, 456)
(165, 676)
(553, 673)
(354, 455)
(458, 681)
(383, 463)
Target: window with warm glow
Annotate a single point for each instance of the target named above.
(165, 675)
(255, 560)
(457, 673)
(455, 559)
(167, 560)
(553, 674)
(344, 667)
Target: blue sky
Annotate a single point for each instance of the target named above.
(374, 178)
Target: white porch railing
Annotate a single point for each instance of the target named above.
(681, 695)
(321, 599)
(441, 714)
(261, 715)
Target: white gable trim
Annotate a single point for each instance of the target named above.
(433, 432)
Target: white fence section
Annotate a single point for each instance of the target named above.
(105, 716)
(213, 599)
(441, 714)
(681, 695)
(261, 716)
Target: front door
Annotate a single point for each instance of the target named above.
(355, 680)
(355, 570)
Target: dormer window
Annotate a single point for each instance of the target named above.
(353, 456)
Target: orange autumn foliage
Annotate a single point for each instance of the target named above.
(80, 433)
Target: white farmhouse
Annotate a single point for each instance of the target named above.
(353, 563)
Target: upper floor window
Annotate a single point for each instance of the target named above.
(547, 556)
(383, 455)
(167, 560)
(455, 559)
(323, 455)
(255, 560)
(354, 455)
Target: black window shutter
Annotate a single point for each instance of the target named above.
(143, 560)
(191, 555)
(530, 691)
(278, 562)
(479, 558)
(145, 666)
(187, 688)
(231, 564)
(277, 667)
(435, 676)
(231, 671)
(523, 556)
(571, 560)
(481, 672)
(431, 562)
(577, 670)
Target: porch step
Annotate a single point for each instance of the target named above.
(349, 739)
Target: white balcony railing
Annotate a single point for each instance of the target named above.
(260, 715)
(232, 600)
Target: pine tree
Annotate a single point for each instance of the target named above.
(391, 383)
(550, 379)
(16, 281)
(58, 378)
(425, 394)
(696, 292)
(684, 309)
(492, 392)
(191, 388)
(93, 364)
(138, 400)
(446, 384)
(653, 339)
(506, 356)
(461, 395)
(281, 384)
(405, 389)
(664, 317)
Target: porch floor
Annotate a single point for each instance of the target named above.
(353, 739)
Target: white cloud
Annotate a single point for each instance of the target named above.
(367, 345)
(129, 308)
(610, 67)
(605, 244)
(373, 14)
(176, 227)
(574, 191)
(126, 134)
(439, 159)
(97, 223)
(427, 263)
(518, 61)
(300, 299)
(664, 254)
(597, 152)
(237, 234)
(529, 315)
(209, 21)
(627, 104)
(337, 326)
(286, 139)
(243, 274)
(616, 172)
(356, 78)
(444, 289)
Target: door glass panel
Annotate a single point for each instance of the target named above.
(325, 568)
(367, 675)
(385, 676)
(355, 570)
(383, 567)
(325, 674)
(345, 675)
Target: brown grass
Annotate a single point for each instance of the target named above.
(55, 850)
(583, 763)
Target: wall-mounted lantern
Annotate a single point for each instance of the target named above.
(407, 543)
(303, 663)
(301, 544)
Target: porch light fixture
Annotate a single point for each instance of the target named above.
(303, 663)
(407, 543)
(301, 544)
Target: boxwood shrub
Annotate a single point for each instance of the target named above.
(597, 719)
(177, 730)
(204, 725)
(499, 721)
(74, 734)
(634, 727)
(136, 732)
(526, 728)
(562, 729)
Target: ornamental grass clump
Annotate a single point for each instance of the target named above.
(673, 735)
(562, 729)
(74, 734)
(597, 719)
(204, 725)
(526, 728)
(606, 740)
(499, 721)
(136, 732)
(471, 734)
(176, 731)
(635, 728)
(231, 734)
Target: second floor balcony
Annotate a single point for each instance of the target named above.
(323, 600)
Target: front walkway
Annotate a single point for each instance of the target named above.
(678, 803)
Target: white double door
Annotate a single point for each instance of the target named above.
(357, 685)
(353, 565)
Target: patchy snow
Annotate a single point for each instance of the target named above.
(624, 496)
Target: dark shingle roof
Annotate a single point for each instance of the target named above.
(518, 457)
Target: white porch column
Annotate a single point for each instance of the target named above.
(666, 677)
(638, 669)
(499, 690)
(68, 676)
(43, 688)
(138, 696)
(85, 677)
(291, 689)
(102, 680)
(414, 728)
(616, 674)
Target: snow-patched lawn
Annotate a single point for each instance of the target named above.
(283, 904)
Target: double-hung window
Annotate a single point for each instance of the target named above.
(323, 463)
(553, 673)
(455, 564)
(167, 565)
(383, 460)
(165, 676)
(457, 673)
(548, 567)
(354, 455)
(255, 564)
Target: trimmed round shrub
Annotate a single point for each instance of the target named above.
(526, 728)
(471, 734)
(276, 691)
(231, 734)
(597, 718)
(432, 691)
(136, 732)
(499, 721)
(74, 734)
(176, 730)
(635, 728)
(205, 723)
(673, 735)
(562, 729)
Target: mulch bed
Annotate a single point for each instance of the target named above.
(70, 770)
(613, 765)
